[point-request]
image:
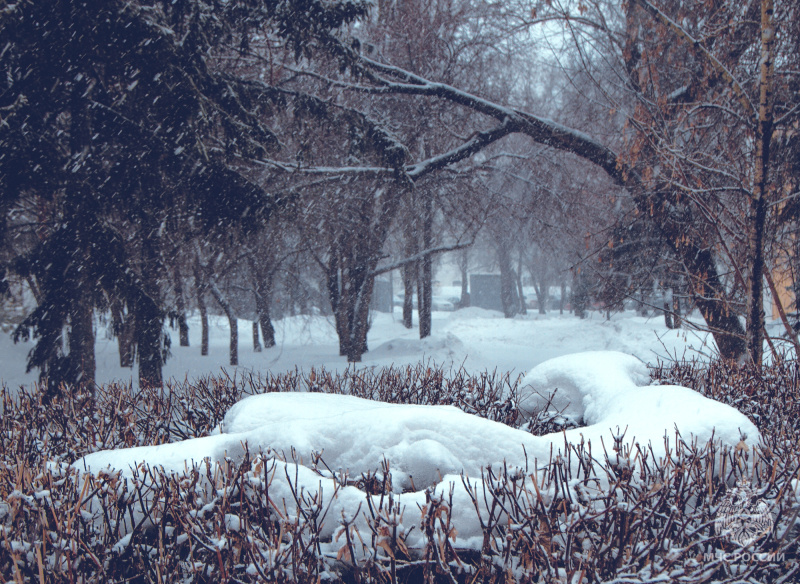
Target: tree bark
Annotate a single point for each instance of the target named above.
(350, 285)
(78, 210)
(335, 294)
(677, 317)
(710, 299)
(759, 204)
(424, 298)
(256, 341)
(148, 315)
(201, 304)
(354, 252)
(425, 295)
(232, 321)
(200, 287)
(409, 279)
(463, 264)
(262, 294)
(180, 307)
(668, 320)
(352, 314)
(81, 344)
(149, 326)
(125, 331)
(507, 281)
(520, 292)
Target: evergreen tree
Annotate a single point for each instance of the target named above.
(113, 119)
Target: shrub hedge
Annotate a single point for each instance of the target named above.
(654, 522)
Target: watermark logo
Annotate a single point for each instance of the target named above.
(742, 517)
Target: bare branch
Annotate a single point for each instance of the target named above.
(419, 256)
(744, 99)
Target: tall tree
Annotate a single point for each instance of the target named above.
(111, 111)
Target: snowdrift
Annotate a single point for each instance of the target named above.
(316, 442)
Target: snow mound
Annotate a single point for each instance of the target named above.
(437, 346)
(424, 443)
(429, 447)
(420, 443)
(608, 392)
(581, 384)
(351, 434)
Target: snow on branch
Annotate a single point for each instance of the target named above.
(393, 80)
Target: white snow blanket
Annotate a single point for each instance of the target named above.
(433, 445)
(604, 391)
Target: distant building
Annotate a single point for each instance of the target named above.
(485, 291)
(382, 296)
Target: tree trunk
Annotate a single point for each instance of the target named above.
(710, 300)
(201, 305)
(759, 204)
(262, 290)
(256, 341)
(264, 318)
(232, 321)
(148, 316)
(79, 367)
(543, 295)
(149, 326)
(520, 292)
(507, 281)
(267, 330)
(81, 344)
(180, 307)
(409, 279)
(668, 320)
(563, 299)
(234, 347)
(463, 263)
(334, 295)
(354, 252)
(200, 289)
(352, 319)
(125, 331)
(580, 294)
(425, 295)
(50, 346)
(350, 284)
(677, 319)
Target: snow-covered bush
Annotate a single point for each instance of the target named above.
(586, 517)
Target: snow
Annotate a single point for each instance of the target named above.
(353, 435)
(478, 339)
(582, 385)
(605, 391)
(432, 447)
(422, 443)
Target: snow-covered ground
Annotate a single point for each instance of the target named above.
(475, 338)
